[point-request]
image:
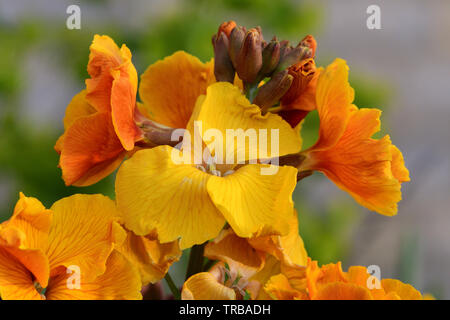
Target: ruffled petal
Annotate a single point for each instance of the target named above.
(83, 233)
(155, 193)
(403, 290)
(90, 150)
(251, 201)
(205, 286)
(342, 291)
(170, 87)
(120, 281)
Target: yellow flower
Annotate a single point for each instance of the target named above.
(329, 282)
(67, 252)
(192, 202)
(370, 170)
(244, 265)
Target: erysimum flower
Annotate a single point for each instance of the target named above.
(99, 123)
(67, 252)
(244, 265)
(329, 282)
(370, 170)
(193, 202)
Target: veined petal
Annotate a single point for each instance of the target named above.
(226, 110)
(16, 281)
(205, 286)
(279, 288)
(333, 98)
(289, 248)
(152, 258)
(119, 282)
(155, 193)
(83, 233)
(251, 201)
(170, 87)
(90, 150)
(105, 56)
(361, 165)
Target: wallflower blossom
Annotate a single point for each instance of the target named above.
(99, 123)
(43, 251)
(244, 265)
(329, 282)
(370, 170)
(193, 202)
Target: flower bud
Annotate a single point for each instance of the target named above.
(249, 59)
(292, 56)
(237, 36)
(227, 28)
(270, 58)
(309, 42)
(223, 68)
(271, 92)
(302, 74)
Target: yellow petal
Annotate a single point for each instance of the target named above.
(120, 281)
(204, 286)
(170, 87)
(83, 234)
(398, 165)
(155, 193)
(251, 201)
(278, 288)
(225, 109)
(236, 252)
(271, 268)
(289, 248)
(152, 258)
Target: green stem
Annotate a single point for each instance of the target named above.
(208, 265)
(195, 260)
(172, 286)
(250, 91)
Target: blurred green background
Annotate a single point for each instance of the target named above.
(28, 162)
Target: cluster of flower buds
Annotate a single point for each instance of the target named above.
(245, 52)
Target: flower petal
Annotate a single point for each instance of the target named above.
(251, 201)
(403, 290)
(170, 87)
(90, 150)
(205, 286)
(83, 234)
(342, 291)
(154, 192)
(119, 282)
(278, 288)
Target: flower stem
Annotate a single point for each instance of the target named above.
(195, 260)
(172, 286)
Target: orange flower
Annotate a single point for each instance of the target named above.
(67, 252)
(99, 122)
(370, 170)
(329, 282)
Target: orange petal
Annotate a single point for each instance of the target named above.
(398, 165)
(83, 234)
(361, 165)
(16, 281)
(333, 98)
(342, 291)
(358, 275)
(105, 56)
(91, 150)
(169, 88)
(278, 288)
(403, 290)
(119, 282)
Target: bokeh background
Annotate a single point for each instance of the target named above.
(404, 69)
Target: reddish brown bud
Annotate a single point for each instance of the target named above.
(271, 92)
(237, 36)
(249, 59)
(270, 58)
(223, 68)
(293, 56)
